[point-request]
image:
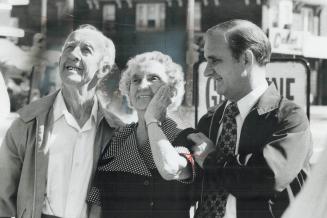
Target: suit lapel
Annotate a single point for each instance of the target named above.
(216, 122)
(253, 133)
(258, 123)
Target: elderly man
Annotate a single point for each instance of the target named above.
(51, 151)
(255, 146)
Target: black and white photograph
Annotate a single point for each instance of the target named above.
(163, 108)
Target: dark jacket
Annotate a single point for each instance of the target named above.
(276, 134)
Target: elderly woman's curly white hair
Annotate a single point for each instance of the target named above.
(173, 70)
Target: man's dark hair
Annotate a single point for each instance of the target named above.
(242, 35)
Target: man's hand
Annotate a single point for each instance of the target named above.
(157, 107)
(203, 146)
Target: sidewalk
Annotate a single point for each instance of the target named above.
(318, 124)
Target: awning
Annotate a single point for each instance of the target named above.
(18, 2)
(313, 2)
(11, 31)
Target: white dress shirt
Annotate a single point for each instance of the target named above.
(70, 162)
(244, 106)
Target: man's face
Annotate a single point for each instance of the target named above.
(81, 57)
(223, 67)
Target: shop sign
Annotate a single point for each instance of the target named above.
(286, 41)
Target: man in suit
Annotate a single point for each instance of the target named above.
(50, 152)
(254, 147)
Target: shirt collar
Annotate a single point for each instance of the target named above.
(60, 109)
(247, 102)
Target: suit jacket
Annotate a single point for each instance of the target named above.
(24, 159)
(276, 136)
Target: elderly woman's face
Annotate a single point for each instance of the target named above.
(145, 81)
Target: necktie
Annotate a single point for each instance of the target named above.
(214, 198)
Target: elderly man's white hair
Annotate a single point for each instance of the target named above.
(109, 53)
(173, 70)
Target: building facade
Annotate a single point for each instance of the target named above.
(296, 28)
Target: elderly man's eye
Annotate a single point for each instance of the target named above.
(86, 50)
(68, 47)
(136, 80)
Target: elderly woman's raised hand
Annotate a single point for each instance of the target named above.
(157, 107)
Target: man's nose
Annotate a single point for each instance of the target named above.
(208, 71)
(75, 54)
(144, 84)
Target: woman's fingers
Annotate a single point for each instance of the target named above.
(159, 103)
(163, 95)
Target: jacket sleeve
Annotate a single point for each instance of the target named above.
(274, 165)
(11, 159)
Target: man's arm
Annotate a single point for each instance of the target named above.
(312, 200)
(10, 168)
(271, 168)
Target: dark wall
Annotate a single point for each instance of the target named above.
(322, 81)
(230, 9)
(130, 42)
(29, 19)
(58, 28)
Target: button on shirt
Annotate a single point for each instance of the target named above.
(70, 162)
(244, 106)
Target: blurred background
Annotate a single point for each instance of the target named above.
(32, 33)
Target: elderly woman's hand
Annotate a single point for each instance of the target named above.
(157, 107)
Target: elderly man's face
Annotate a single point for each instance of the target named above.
(145, 82)
(81, 57)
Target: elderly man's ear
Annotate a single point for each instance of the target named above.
(105, 67)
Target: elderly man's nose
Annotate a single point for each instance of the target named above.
(75, 54)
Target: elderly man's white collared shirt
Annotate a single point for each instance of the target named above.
(70, 162)
(244, 106)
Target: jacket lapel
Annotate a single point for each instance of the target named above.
(41, 159)
(103, 135)
(216, 122)
(258, 123)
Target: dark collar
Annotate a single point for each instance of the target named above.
(44, 105)
(268, 101)
(37, 108)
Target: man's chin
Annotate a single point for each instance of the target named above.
(73, 81)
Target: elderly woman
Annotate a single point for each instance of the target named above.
(142, 172)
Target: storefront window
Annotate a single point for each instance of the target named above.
(108, 17)
(150, 17)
